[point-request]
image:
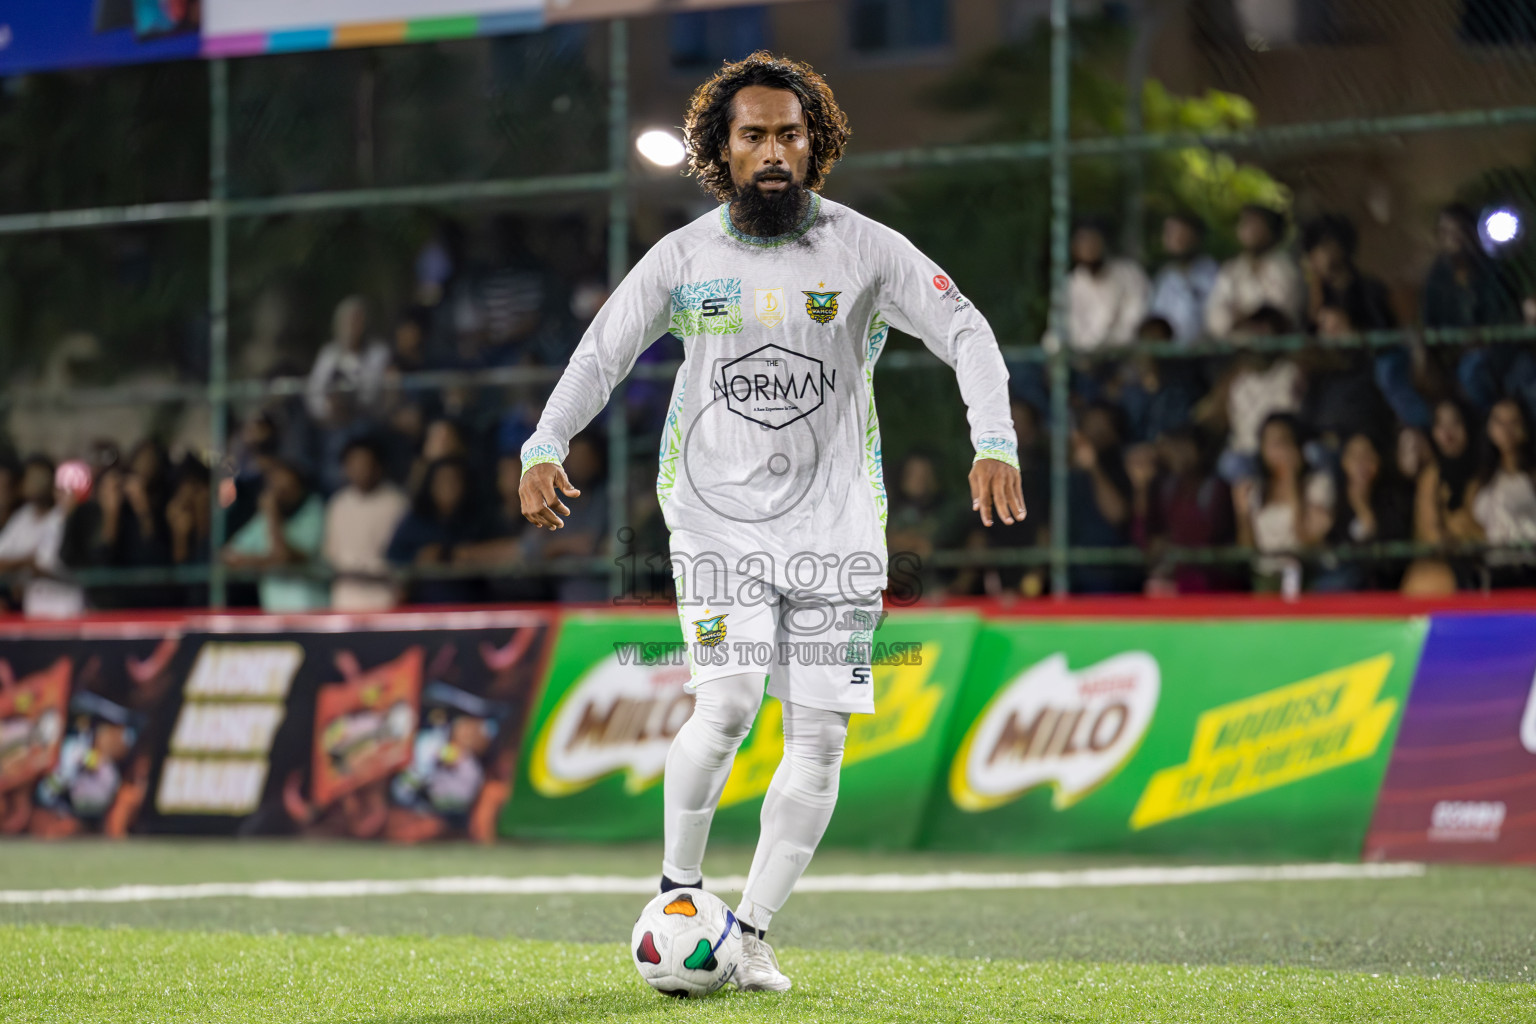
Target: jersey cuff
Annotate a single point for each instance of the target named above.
(538, 455)
(998, 448)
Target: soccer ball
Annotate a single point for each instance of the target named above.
(686, 943)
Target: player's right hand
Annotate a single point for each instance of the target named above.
(537, 492)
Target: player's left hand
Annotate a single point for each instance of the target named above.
(997, 484)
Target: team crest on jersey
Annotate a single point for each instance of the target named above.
(822, 306)
(770, 306)
(710, 632)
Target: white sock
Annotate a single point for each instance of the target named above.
(796, 810)
(698, 763)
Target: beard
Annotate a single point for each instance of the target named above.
(769, 214)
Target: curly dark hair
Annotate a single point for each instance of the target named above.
(707, 126)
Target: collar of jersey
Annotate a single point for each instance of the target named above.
(811, 210)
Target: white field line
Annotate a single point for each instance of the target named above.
(617, 884)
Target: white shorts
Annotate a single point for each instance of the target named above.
(814, 649)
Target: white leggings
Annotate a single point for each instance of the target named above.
(798, 805)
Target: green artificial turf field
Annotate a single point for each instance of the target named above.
(1457, 944)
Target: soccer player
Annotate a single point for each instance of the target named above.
(770, 477)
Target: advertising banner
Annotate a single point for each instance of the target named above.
(1462, 782)
(1266, 737)
(233, 28)
(36, 35)
(614, 698)
(403, 727)
(593, 10)
(50, 34)
(81, 724)
(43, 35)
(1263, 737)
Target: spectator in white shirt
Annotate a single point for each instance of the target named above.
(1254, 386)
(1503, 496)
(31, 541)
(350, 358)
(359, 522)
(1284, 507)
(1262, 275)
(1183, 286)
(355, 362)
(1107, 294)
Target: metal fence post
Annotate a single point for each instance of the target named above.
(1061, 216)
(218, 317)
(618, 263)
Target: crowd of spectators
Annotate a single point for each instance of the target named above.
(359, 493)
(1312, 455)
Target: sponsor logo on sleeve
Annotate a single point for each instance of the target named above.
(1263, 742)
(1073, 730)
(770, 306)
(707, 307)
(948, 291)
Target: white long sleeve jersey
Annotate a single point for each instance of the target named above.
(770, 457)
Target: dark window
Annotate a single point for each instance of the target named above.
(1499, 22)
(1279, 24)
(880, 26)
(710, 38)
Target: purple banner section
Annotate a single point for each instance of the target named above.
(235, 46)
(1461, 785)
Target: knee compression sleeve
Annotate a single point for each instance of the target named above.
(797, 809)
(698, 763)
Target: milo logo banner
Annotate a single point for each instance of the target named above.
(1229, 737)
(614, 698)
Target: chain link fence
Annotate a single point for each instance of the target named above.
(1070, 117)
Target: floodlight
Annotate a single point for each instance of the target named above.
(661, 147)
(1499, 228)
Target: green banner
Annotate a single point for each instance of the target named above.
(613, 699)
(1233, 737)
